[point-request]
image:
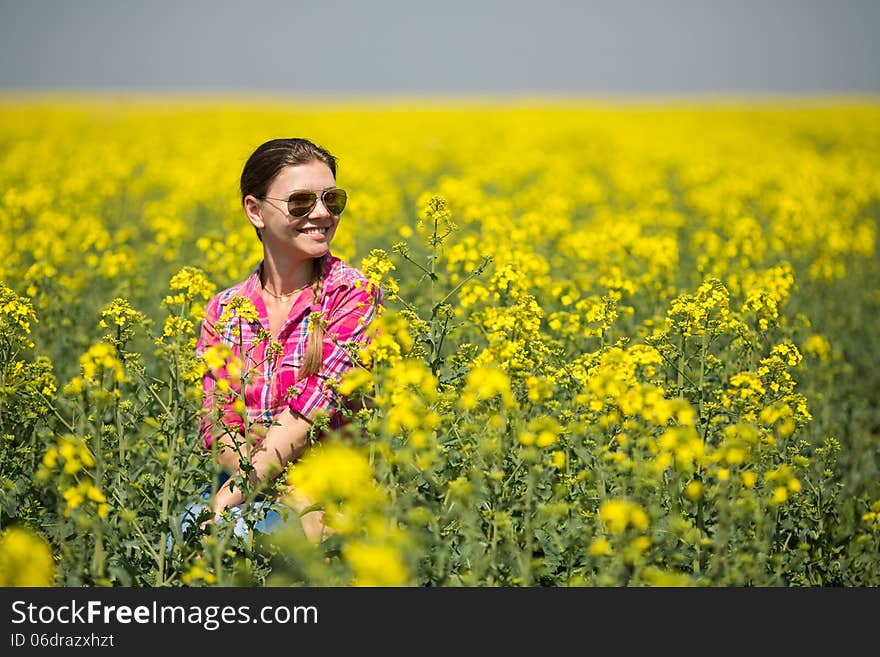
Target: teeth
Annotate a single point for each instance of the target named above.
(313, 231)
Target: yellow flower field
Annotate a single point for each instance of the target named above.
(622, 345)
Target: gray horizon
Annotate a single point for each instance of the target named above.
(491, 48)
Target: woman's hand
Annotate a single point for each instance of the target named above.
(283, 443)
(226, 498)
(311, 519)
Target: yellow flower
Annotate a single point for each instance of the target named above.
(375, 565)
(193, 283)
(25, 559)
(234, 368)
(216, 355)
(557, 458)
(461, 488)
(100, 358)
(600, 547)
(74, 497)
(780, 495)
(817, 345)
(641, 544)
(198, 573)
(390, 339)
(355, 378)
(238, 309)
(333, 471)
(638, 518)
(120, 313)
(658, 577)
(68, 447)
(486, 381)
(547, 430)
(376, 266)
(50, 458)
(15, 310)
(177, 326)
(617, 515)
(735, 455)
(85, 456)
(435, 213)
(95, 494)
(694, 490)
(545, 439)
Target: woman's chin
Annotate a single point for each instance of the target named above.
(318, 249)
(310, 248)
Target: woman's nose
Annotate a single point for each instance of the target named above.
(320, 210)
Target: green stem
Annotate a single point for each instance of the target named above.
(476, 272)
(97, 565)
(678, 370)
(166, 484)
(118, 415)
(140, 532)
(526, 567)
(70, 428)
(493, 545)
(681, 364)
(701, 417)
(429, 272)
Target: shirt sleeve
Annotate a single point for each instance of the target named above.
(348, 323)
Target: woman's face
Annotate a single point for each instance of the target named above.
(308, 236)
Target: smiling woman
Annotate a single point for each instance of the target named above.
(274, 343)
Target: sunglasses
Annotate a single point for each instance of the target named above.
(302, 201)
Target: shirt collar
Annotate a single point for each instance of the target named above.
(333, 278)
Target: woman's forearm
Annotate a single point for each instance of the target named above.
(227, 452)
(284, 442)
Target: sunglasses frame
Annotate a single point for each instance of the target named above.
(317, 196)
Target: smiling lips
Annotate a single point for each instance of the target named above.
(314, 231)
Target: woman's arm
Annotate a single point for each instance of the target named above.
(228, 447)
(284, 442)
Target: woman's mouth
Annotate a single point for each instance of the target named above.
(314, 231)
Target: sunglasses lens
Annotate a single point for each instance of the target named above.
(335, 200)
(301, 203)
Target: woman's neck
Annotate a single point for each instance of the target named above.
(286, 276)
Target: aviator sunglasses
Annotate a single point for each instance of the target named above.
(302, 201)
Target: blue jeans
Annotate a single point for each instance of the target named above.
(274, 514)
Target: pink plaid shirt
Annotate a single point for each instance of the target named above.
(349, 303)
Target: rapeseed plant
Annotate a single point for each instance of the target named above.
(628, 358)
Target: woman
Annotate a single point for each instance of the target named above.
(315, 305)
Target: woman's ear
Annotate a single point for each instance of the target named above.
(254, 211)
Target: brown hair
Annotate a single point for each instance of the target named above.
(314, 355)
(267, 161)
(259, 171)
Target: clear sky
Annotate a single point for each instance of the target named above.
(445, 46)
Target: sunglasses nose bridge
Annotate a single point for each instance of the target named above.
(319, 203)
